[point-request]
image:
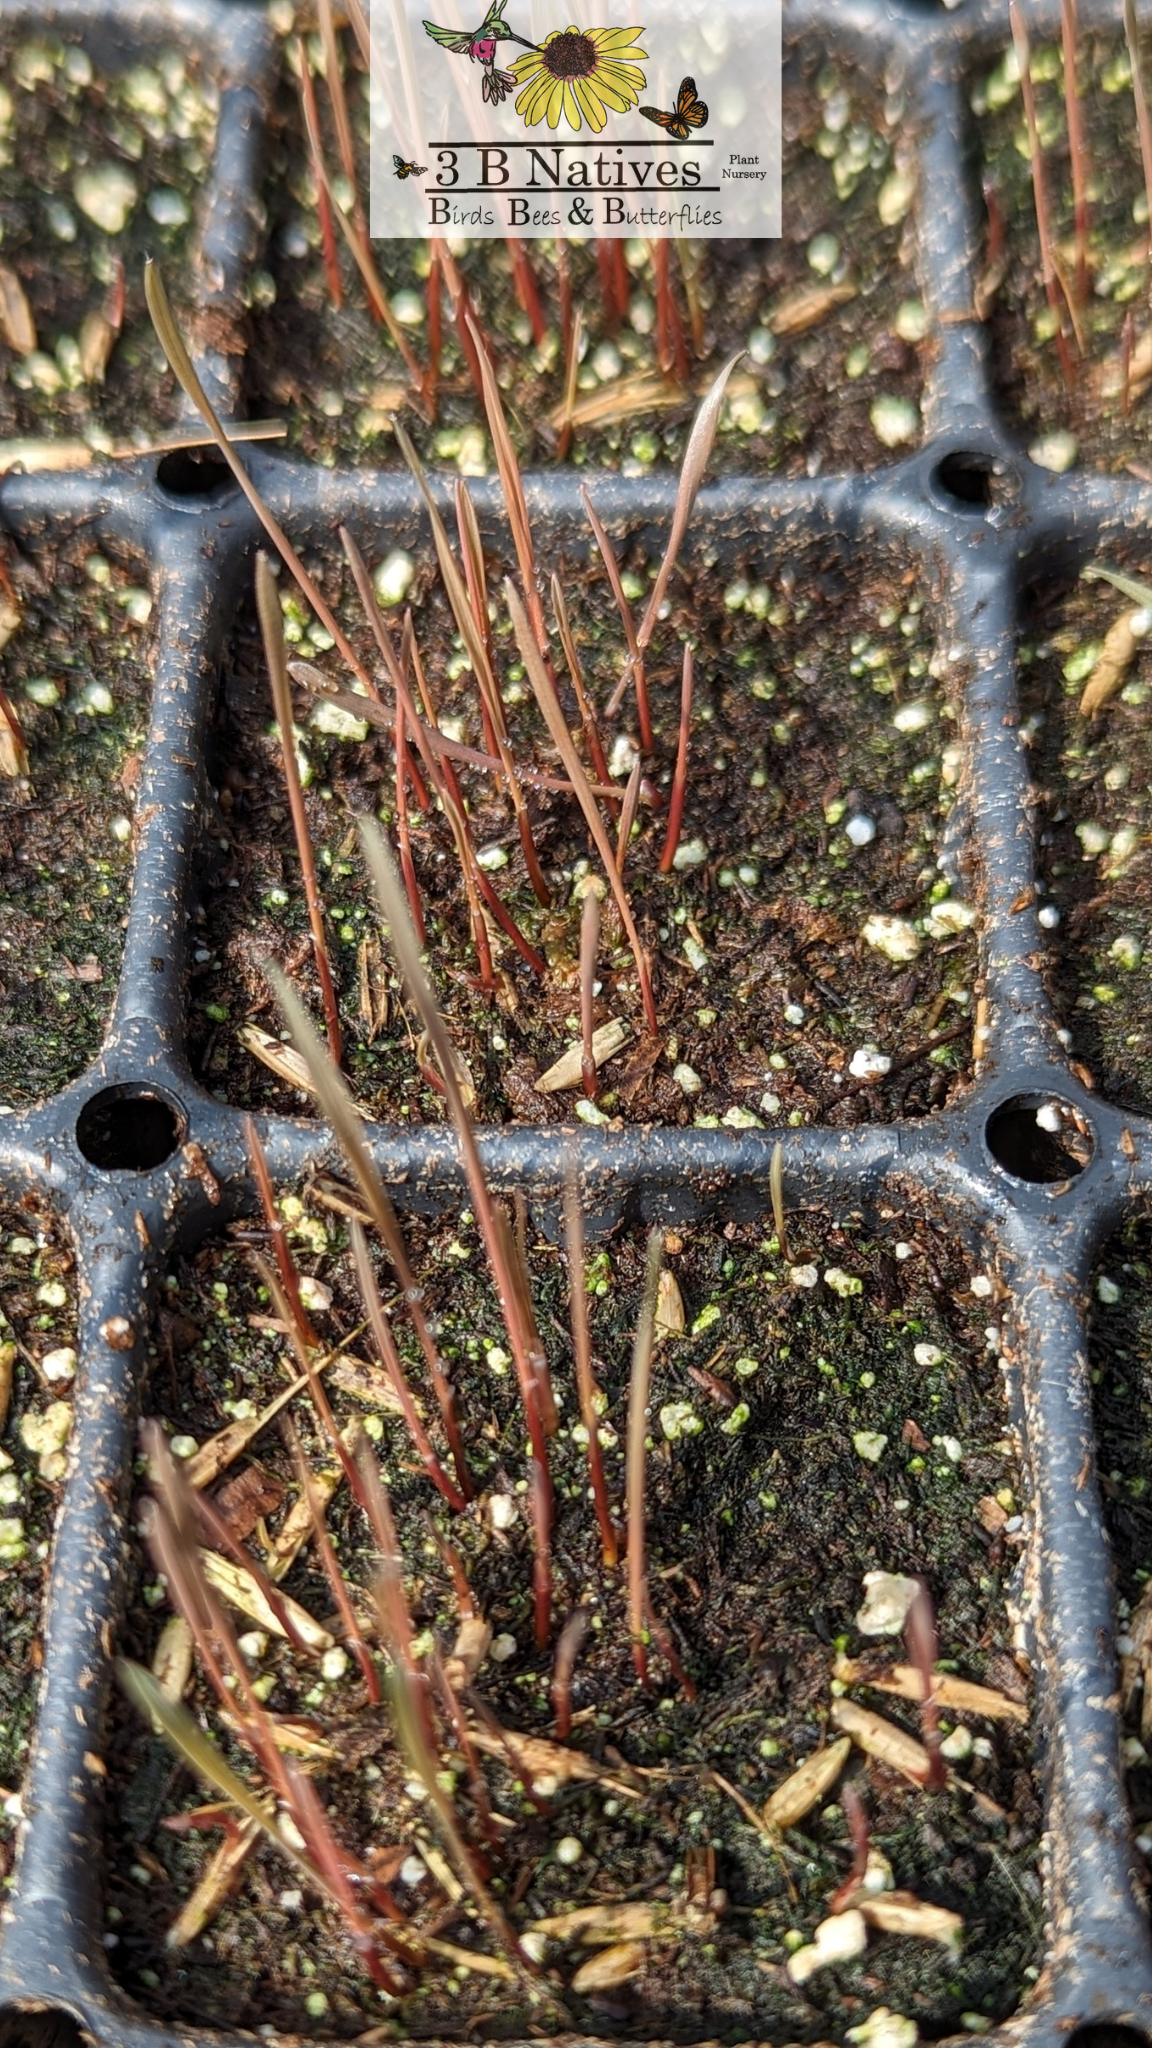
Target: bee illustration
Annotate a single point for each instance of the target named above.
(690, 112)
(404, 170)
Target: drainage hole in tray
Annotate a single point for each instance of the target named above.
(194, 473)
(965, 480)
(55, 2029)
(130, 1128)
(1039, 1138)
(1107, 2034)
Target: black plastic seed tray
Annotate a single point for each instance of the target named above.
(111, 1151)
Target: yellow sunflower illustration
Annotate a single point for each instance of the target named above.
(579, 73)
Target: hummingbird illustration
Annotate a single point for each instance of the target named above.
(480, 45)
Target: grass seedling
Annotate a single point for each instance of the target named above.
(407, 953)
(273, 1223)
(609, 299)
(172, 342)
(573, 343)
(589, 945)
(628, 811)
(390, 1359)
(1040, 191)
(465, 316)
(276, 656)
(335, 1101)
(671, 352)
(334, 78)
(776, 1191)
(638, 1390)
(475, 575)
(696, 458)
(404, 772)
(680, 776)
(582, 1350)
(435, 302)
(592, 739)
(562, 740)
(1143, 123)
(920, 1643)
(527, 291)
(1127, 338)
(634, 665)
(516, 506)
(1077, 150)
(568, 1644)
(323, 199)
(327, 1556)
(690, 273)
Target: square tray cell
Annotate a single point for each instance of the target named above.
(37, 1369)
(1092, 821)
(77, 669)
(99, 167)
(1085, 413)
(801, 1436)
(829, 316)
(809, 960)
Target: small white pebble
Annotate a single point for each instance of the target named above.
(793, 1013)
(803, 1276)
(183, 1446)
(534, 1945)
(1048, 917)
(569, 1849)
(980, 1285)
(290, 1902)
(1048, 1117)
(902, 1250)
(59, 1366)
(253, 1645)
(503, 1647)
(957, 1746)
(502, 1511)
(860, 829)
(391, 580)
(927, 1354)
(687, 1079)
(1056, 451)
(867, 1064)
(413, 1871)
(334, 1663)
(1107, 1290)
(691, 853)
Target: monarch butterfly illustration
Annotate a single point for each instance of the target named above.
(690, 112)
(404, 170)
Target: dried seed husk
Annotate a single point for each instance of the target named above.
(807, 307)
(473, 1638)
(10, 616)
(35, 454)
(13, 752)
(365, 1382)
(882, 1739)
(17, 326)
(807, 1784)
(283, 1060)
(218, 1453)
(172, 1657)
(96, 340)
(566, 1072)
(959, 1695)
(670, 1318)
(629, 1920)
(296, 1529)
(241, 1590)
(1112, 664)
(620, 400)
(218, 1882)
(467, 1958)
(615, 1965)
(904, 1913)
(7, 1368)
(536, 1758)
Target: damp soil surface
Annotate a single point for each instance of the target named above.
(1092, 821)
(37, 1362)
(835, 336)
(1118, 1354)
(77, 669)
(802, 1433)
(1044, 404)
(97, 171)
(824, 763)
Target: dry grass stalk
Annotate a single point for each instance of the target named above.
(671, 352)
(323, 198)
(217, 1884)
(680, 774)
(564, 293)
(172, 342)
(393, 1366)
(17, 326)
(1119, 650)
(562, 739)
(568, 1070)
(958, 1695)
(495, 1241)
(776, 1192)
(435, 302)
(568, 1645)
(222, 1450)
(13, 751)
(589, 944)
(273, 1222)
(1040, 191)
(689, 256)
(241, 1587)
(638, 1390)
(620, 400)
(276, 656)
(527, 291)
(1077, 150)
(592, 739)
(464, 315)
(336, 1103)
(296, 1528)
(628, 810)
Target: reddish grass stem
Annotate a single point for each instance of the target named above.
(390, 1359)
(589, 942)
(568, 1645)
(275, 653)
(327, 1556)
(920, 1643)
(1040, 191)
(323, 203)
(582, 1349)
(1143, 121)
(592, 739)
(527, 291)
(1077, 149)
(638, 1390)
(285, 1263)
(404, 837)
(680, 776)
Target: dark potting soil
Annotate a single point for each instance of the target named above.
(811, 922)
(829, 315)
(800, 1436)
(1045, 406)
(37, 1365)
(1092, 819)
(77, 670)
(97, 170)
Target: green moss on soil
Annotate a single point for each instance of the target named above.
(68, 118)
(1027, 365)
(64, 869)
(796, 405)
(1093, 820)
(758, 1540)
(765, 987)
